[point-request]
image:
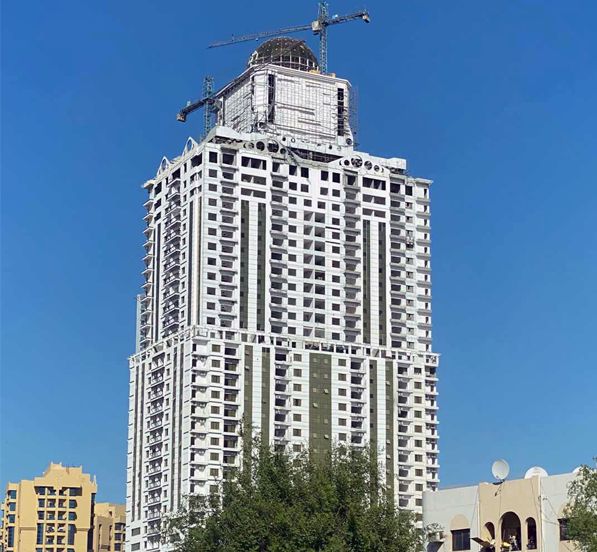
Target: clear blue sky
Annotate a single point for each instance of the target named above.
(495, 100)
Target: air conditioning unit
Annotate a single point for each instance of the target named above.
(436, 536)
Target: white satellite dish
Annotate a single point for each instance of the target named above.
(535, 471)
(500, 470)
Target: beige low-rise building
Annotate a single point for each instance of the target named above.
(57, 512)
(521, 514)
(51, 513)
(109, 525)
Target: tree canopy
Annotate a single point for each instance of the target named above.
(581, 511)
(280, 502)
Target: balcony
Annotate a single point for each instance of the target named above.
(171, 237)
(171, 322)
(173, 264)
(352, 283)
(171, 278)
(171, 307)
(172, 222)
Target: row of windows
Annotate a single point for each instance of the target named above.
(51, 503)
(52, 516)
(51, 491)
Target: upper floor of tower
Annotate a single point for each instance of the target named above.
(282, 93)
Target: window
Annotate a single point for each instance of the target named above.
(461, 539)
(40, 533)
(531, 534)
(564, 529)
(72, 530)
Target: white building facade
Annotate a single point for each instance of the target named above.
(288, 287)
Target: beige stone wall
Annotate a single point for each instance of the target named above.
(520, 498)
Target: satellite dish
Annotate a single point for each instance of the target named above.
(500, 470)
(535, 471)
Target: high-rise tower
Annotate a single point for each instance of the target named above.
(288, 286)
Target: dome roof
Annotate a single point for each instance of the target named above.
(286, 52)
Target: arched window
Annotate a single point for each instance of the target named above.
(461, 533)
(531, 534)
(510, 530)
(488, 538)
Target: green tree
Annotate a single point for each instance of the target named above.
(278, 502)
(581, 511)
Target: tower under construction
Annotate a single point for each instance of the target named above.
(288, 287)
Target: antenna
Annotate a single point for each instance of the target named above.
(500, 470)
(318, 27)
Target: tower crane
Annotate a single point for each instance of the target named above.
(319, 27)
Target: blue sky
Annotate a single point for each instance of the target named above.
(494, 100)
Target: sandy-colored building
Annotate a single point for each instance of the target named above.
(109, 524)
(51, 513)
(57, 512)
(520, 514)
